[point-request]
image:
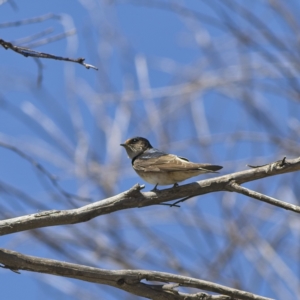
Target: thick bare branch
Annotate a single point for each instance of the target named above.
(127, 280)
(134, 198)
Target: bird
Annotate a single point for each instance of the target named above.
(159, 168)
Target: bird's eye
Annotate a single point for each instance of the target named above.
(134, 140)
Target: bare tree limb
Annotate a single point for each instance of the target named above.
(29, 52)
(134, 198)
(127, 280)
(234, 187)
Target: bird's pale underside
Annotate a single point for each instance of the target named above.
(159, 168)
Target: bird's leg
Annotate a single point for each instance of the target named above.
(155, 188)
(175, 185)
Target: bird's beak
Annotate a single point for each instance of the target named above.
(123, 145)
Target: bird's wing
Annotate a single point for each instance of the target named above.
(169, 163)
(183, 158)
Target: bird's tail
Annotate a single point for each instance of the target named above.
(212, 168)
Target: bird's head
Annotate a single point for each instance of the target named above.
(136, 146)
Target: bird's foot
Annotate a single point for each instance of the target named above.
(155, 188)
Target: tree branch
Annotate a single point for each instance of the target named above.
(29, 52)
(234, 187)
(127, 280)
(134, 198)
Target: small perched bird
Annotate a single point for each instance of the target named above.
(160, 168)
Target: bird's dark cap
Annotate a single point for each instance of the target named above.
(135, 140)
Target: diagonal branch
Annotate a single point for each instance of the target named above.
(127, 280)
(133, 198)
(29, 52)
(234, 187)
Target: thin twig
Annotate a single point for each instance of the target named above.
(181, 200)
(234, 187)
(31, 53)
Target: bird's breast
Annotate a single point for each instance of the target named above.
(166, 178)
